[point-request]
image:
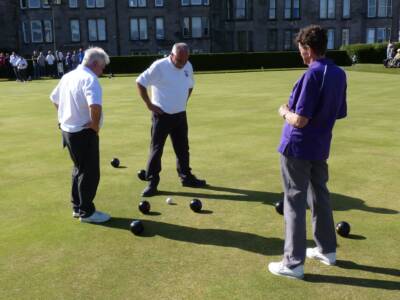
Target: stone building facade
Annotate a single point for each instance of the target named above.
(126, 27)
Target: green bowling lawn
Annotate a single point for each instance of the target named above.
(223, 252)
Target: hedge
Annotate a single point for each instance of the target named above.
(225, 61)
(368, 53)
(220, 61)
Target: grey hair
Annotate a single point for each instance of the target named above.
(95, 54)
(180, 47)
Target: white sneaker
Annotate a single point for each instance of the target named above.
(96, 217)
(277, 268)
(327, 258)
(75, 214)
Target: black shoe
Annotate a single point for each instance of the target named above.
(150, 191)
(192, 181)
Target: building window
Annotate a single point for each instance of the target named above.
(34, 3)
(345, 36)
(160, 32)
(186, 27)
(36, 31)
(138, 29)
(195, 2)
(378, 35)
(272, 39)
(242, 41)
(327, 9)
(379, 8)
(195, 27)
(272, 10)
(73, 3)
(346, 9)
(384, 8)
(159, 3)
(75, 30)
(23, 4)
(292, 9)
(288, 40)
(94, 3)
(97, 30)
(240, 9)
(25, 32)
(138, 3)
(331, 39)
(48, 32)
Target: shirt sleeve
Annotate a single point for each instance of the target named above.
(55, 94)
(309, 96)
(93, 92)
(150, 76)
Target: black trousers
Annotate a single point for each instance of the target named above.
(83, 148)
(174, 125)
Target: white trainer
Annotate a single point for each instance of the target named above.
(277, 268)
(326, 258)
(96, 217)
(75, 214)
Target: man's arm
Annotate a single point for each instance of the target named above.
(95, 115)
(292, 118)
(190, 92)
(145, 96)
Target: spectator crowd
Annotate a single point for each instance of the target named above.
(49, 64)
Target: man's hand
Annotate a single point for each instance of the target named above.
(93, 126)
(155, 109)
(283, 110)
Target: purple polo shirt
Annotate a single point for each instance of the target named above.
(320, 96)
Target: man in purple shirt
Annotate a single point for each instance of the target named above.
(318, 99)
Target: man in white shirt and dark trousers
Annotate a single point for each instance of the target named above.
(171, 80)
(78, 99)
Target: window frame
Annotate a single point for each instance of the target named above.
(79, 30)
(97, 39)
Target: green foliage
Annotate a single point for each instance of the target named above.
(225, 61)
(368, 53)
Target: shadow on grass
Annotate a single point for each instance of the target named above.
(353, 281)
(339, 202)
(217, 237)
(346, 264)
(361, 282)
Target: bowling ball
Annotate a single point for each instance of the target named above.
(279, 207)
(136, 227)
(115, 162)
(343, 229)
(144, 207)
(142, 175)
(196, 205)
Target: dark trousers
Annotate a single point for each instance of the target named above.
(176, 126)
(83, 148)
(304, 181)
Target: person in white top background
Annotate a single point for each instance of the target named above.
(78, 100)
(171, 82)
(51, 64)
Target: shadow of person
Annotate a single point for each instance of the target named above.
(353, 281)
(339, 202)
(232, 194)
(342, 202)
(217, 237)
(346, 264)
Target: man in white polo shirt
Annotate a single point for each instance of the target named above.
(78, 99)
(171, 80)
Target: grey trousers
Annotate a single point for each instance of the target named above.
(304, 181)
